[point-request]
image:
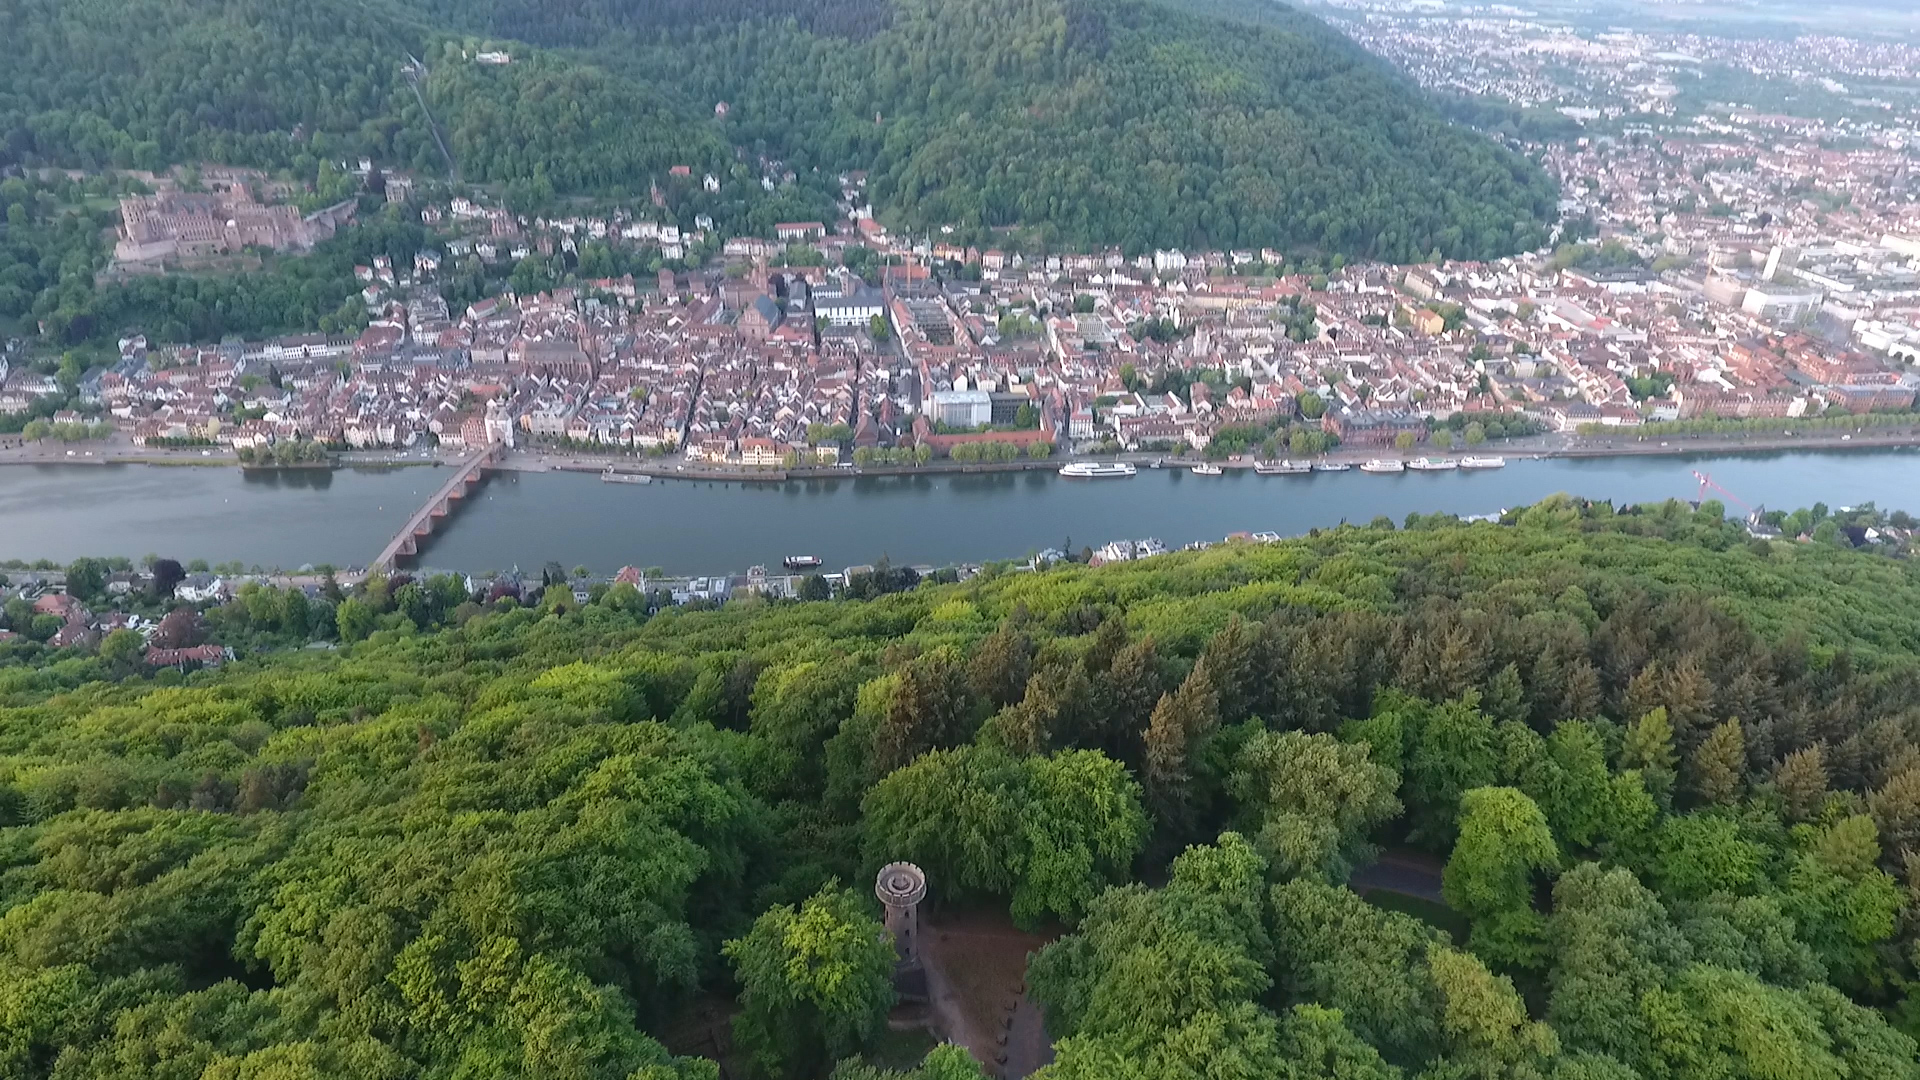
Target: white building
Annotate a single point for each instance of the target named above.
(200, 588)
(961, 408)
(1781, 304)
(854, 308)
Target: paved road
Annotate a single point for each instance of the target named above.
(1028, 1047)
(119, 448)
(944, 1001)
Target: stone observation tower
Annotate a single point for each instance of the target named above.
(901, 886)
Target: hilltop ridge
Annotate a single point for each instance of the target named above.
(1095, 122)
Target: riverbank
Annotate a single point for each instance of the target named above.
(1530, 448)
(222, 458)
(736, 474)
(540, 460)
(1868, 439)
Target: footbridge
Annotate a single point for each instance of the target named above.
(407, 541)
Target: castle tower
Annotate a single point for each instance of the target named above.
(901, 886)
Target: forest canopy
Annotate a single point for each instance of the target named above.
(1673, 776)
(1099, 121)
(1095, 122)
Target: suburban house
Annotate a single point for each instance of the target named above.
(200, 588)
(197, 655)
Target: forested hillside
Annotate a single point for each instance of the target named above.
(1095, 121)
(1674, 774)
(1105, 121)
(146, 83)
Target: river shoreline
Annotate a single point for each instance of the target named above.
(1678, 445)
(536, 460)
(1533, 448)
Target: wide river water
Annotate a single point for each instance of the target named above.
(286, 519)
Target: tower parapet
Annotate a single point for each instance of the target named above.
(901, 886)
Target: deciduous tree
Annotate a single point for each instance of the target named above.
(816, 983)
(1504, 842)
(1046, 832)
(1310, 802)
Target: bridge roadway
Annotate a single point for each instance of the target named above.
(407, 540)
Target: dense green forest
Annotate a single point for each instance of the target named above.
(1102, 121)
(146, 83)
(149, 83)
(1673, 773)
(1094, 121)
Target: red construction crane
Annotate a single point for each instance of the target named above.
(1706, 484)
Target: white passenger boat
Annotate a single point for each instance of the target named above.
(1383, 465)
(1097, 470)
(1331, 466)
(1282, 468)
(1483, 463)
(1205, 469)
(1427, 464)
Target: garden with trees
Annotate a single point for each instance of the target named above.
(1672, 774)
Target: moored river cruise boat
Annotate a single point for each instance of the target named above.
(1282, 467)
(1097, 470)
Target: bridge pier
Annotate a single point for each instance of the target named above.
(406, 542)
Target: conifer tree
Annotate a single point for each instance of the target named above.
(1801, 780)
(1717, 765)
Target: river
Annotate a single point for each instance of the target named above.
(286, 519)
